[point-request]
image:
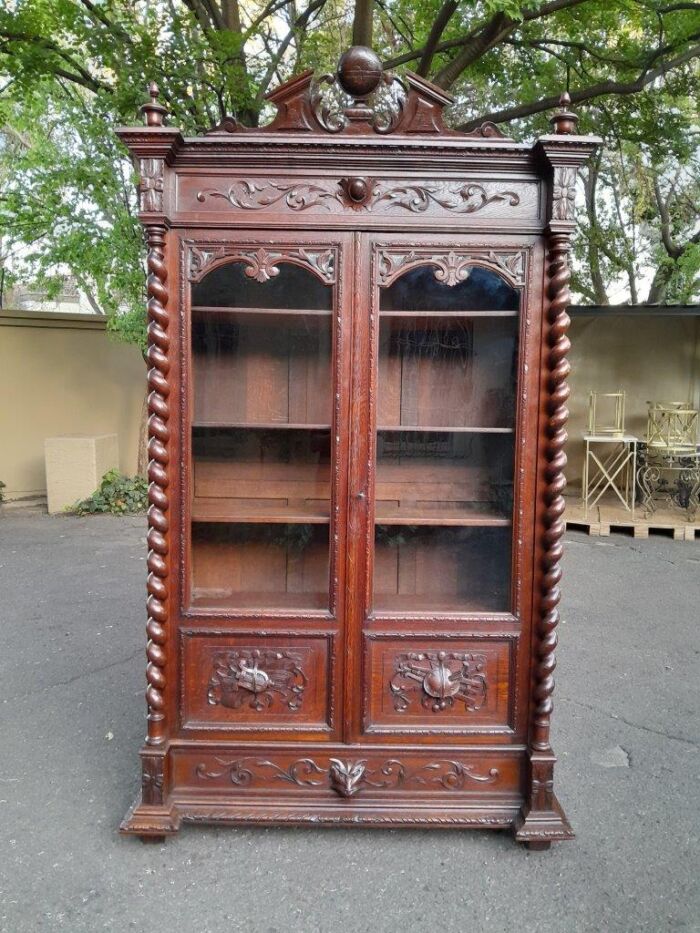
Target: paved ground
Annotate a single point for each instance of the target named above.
(71, 720)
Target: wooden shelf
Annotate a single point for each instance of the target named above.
(478, 516)
(201, 599)
(285, 312)
(262, 426)
(388, 604)
(419, 315)
(442, 429)
(224, 511)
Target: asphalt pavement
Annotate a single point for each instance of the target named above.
(626, 731)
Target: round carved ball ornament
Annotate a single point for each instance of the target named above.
(359, 71)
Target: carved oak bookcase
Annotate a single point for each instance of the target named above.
(357, 349)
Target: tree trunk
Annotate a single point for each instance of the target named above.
(362, 23)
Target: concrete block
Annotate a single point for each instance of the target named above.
(75, 464)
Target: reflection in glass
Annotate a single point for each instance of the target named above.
(419, 290)
(447, 376)
(228, 286)
(248, 566)
(447, 373)
(441, 569)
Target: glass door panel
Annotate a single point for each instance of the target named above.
(447, 371)
(261, 439)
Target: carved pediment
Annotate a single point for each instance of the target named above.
(360, 98)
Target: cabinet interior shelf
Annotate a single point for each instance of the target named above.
(273, 312)
(422, 314)
(262, 425)
(442, 429)
(224, 512)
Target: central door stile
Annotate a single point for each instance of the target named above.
(359, 553)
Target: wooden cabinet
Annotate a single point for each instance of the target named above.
(358, 397)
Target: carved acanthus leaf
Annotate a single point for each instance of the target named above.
(451, 268)
(255, 195)
(261, 263)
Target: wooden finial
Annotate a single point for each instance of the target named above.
(153, 111)
(564, 121)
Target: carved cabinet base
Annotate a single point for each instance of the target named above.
(357, 351)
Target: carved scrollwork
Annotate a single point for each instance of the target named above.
(460, 199)
(442, 678)
(298, 196)
(262, 263)
(451, 268)
(328, 103)
(254, 196)
(255, 678)
(151, 185)
(347, 778)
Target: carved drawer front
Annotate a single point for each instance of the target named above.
(437, 198)
(243, 682)
(439, 686)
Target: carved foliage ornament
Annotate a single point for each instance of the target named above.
(262, 263)
(564, 193)
(347, 778)
(468, 198)
(151, 185)
(451, 268)
(441, 679)
(255, 679)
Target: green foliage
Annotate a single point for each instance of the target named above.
(2, 494)
(72, 70)
(117, 495)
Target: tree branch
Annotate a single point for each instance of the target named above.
(445, 14)
(601, 89)
(79, 76)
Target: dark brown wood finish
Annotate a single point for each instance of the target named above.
(357, 342)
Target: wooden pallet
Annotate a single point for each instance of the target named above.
(603, 519)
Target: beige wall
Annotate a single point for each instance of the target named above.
(650, 358)
(62, 374)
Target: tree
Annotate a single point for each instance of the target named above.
(71, 69)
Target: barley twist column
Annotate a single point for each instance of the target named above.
(158, 475)
(557, 415)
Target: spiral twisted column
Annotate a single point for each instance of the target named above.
(557, 412)
(158, 475)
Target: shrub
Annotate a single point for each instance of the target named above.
(117, 495)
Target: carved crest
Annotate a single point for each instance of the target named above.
(255, 679)
(441, 679)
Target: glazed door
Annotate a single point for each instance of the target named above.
(269, 363)
(432, 549)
